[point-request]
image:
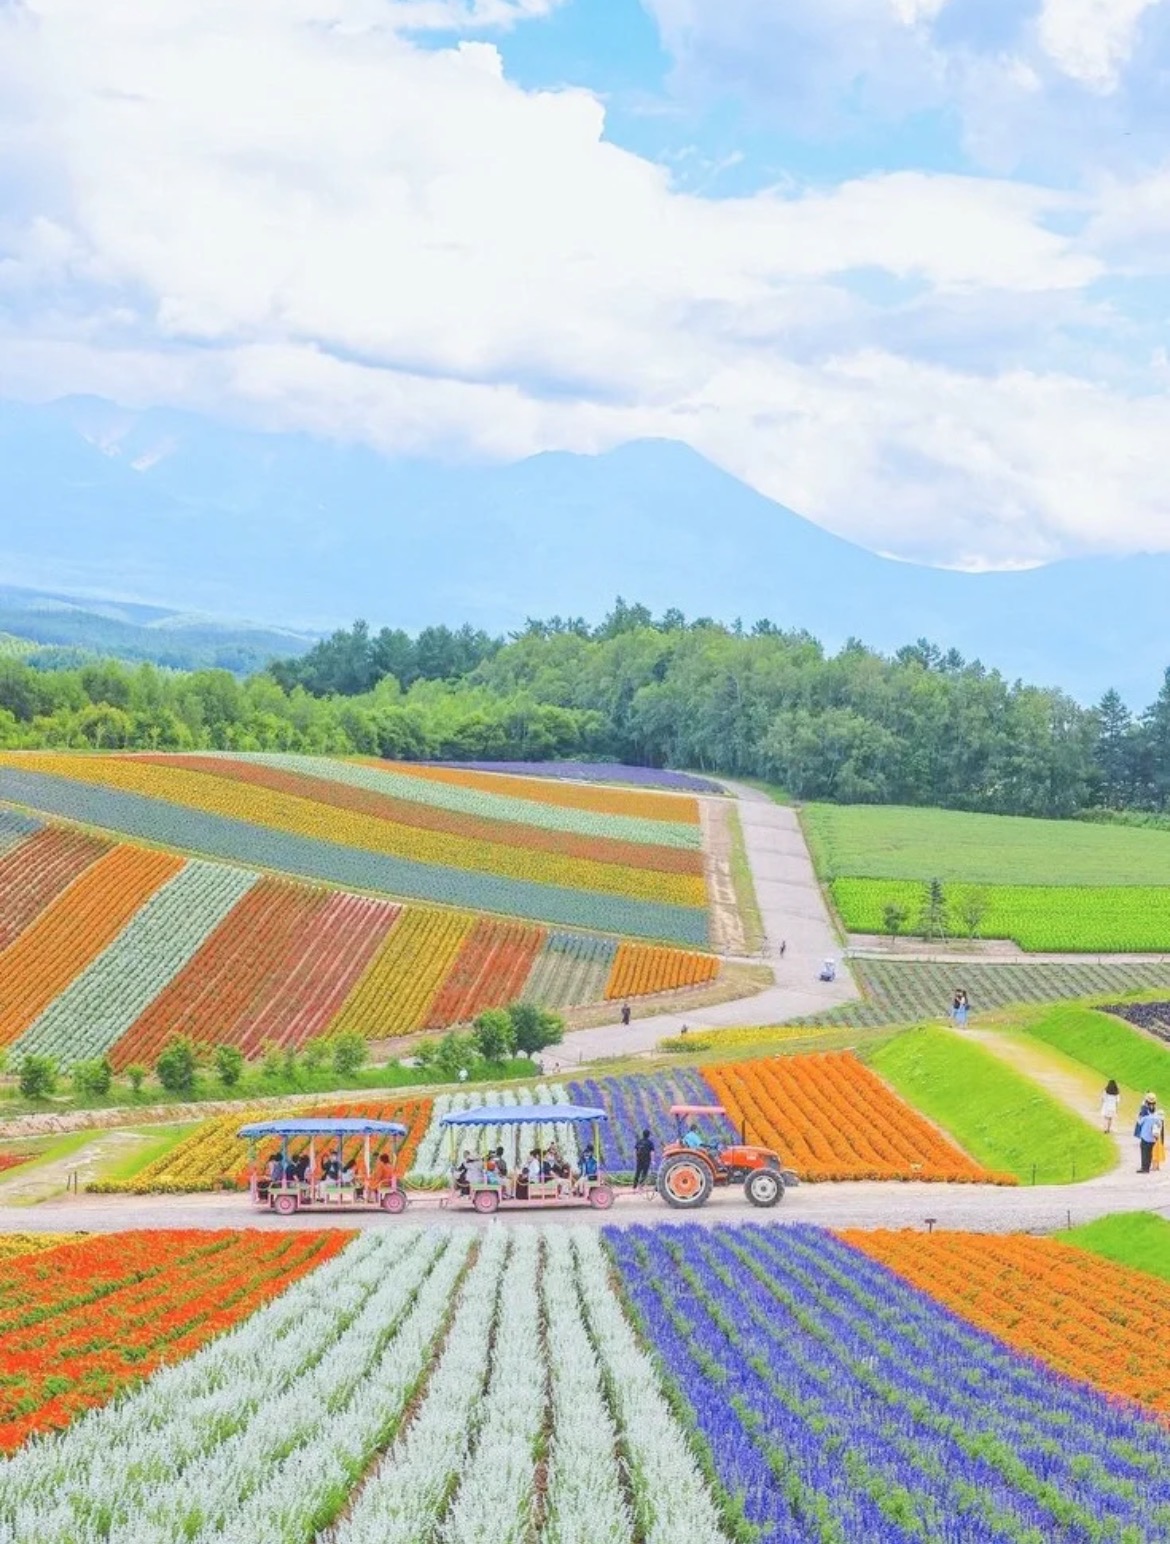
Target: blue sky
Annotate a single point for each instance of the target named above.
(900, 264)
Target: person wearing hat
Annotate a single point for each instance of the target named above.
(1151, 1133)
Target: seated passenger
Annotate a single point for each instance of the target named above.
(694, 1137)
(461, 1184)
(275, 1169)
(535, 1169)
(383, 1172)
(349, 1175)
(302, 1168)
(475, 1173)
(589, 1169)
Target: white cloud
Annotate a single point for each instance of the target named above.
(1091, 40)
(288, 211)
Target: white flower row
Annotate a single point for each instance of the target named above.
(101, 1004)
(433, 1158)
(406, 1493)
(585, 1501)
(257, 1434)
(670, 1494)
(493, 1504)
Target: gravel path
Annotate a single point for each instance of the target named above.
(865, 1204)
(794, 915)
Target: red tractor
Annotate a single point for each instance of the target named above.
(691, 1168)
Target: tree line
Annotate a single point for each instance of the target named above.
(923, 726)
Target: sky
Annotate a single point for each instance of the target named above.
(901, 265)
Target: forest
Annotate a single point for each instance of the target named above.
(924, 726)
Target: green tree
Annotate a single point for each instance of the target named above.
(535, 1028)
(349, 1053)
(494, 1035)
(136, 1073)
(972, 909)
(315, 1054)
(37, 1076)
(229, 1064)
(455, 1053)
(894, 918)
(934, 916)
(177, 1066)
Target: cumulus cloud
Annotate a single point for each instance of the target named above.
(1091, 40)
(291, 212)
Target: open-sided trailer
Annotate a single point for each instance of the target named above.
(490, 1194)
(375, 1191)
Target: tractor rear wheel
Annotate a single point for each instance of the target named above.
(684, 1182)
(764, 1188)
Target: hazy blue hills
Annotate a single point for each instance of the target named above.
(180, 511)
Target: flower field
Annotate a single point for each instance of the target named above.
(1079, 1313)
(1154, 1018)
(596, 772)
(115, 949)
(542, 1386)
(13, 1244)
(840, 1403)
(212, 1156)
(432, 1157)
(640, 970)
(11, 1160)
(636, 875)
(832, 1119)
(640, 1101)
(445, 782)
(81, 1322)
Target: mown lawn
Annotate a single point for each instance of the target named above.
(1001, 1118)
(1139, 1239)
(896, 842)
(1107, 1044)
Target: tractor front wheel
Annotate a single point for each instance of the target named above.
(684, 1182)
(763, 1188)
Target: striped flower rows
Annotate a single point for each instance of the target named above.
(100, 1005)
(596, 772)
(640, 970)
(433, 1158)
(129, 948)
(218, 818)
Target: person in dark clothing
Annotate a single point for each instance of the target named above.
(625, 1013)
(643, 1157)
(302, 1168)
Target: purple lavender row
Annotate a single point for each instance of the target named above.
(596, 772)
(832, 1396)
(638, 1101)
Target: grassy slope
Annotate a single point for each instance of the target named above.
(894, 842)
(1138, 1239)
(1110, 1046)
(1002, 1119)
(745, 888)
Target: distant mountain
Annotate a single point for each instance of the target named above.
(181, 510)
(66, 630)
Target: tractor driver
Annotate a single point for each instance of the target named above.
(693, 1137)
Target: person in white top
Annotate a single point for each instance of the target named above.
(1110, 1100)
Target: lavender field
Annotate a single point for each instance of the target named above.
(597, 772)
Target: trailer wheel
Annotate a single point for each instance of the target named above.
(601, 1196)
(764, 1187)
(286, 1205)
(684, 1182)
(486, 1201)
(394, 1201)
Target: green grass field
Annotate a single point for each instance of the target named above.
(1137, 1239)
(1001, 1118)
(906, 991)
(1114, 919)
(895, 842)
(1111, 1047)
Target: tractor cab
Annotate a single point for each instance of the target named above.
(695, 1163)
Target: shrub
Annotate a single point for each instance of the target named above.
(349, 1053)
(272, 1062)
(315, 1054)
(229, 1064)
(38, 1076)
(454, 1054)
(177, 1065)
(136, 1073)
(93, 1078)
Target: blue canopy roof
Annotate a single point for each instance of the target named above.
(314, 1126)
(523, 1115)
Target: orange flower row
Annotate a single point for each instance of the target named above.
(1082, 1315)
(641, 969)
(74, 930)
(80, 1323)
(489, 972)
(34, 873)
(832, 1118)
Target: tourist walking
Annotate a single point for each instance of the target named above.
(643, 1157)
(960, 1008)
(1110, 1100)
(1151, 1133)
(625, 1013)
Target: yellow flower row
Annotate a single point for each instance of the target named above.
(305, 817)
(402, 979)
(211, 1152)
(13, 1244)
